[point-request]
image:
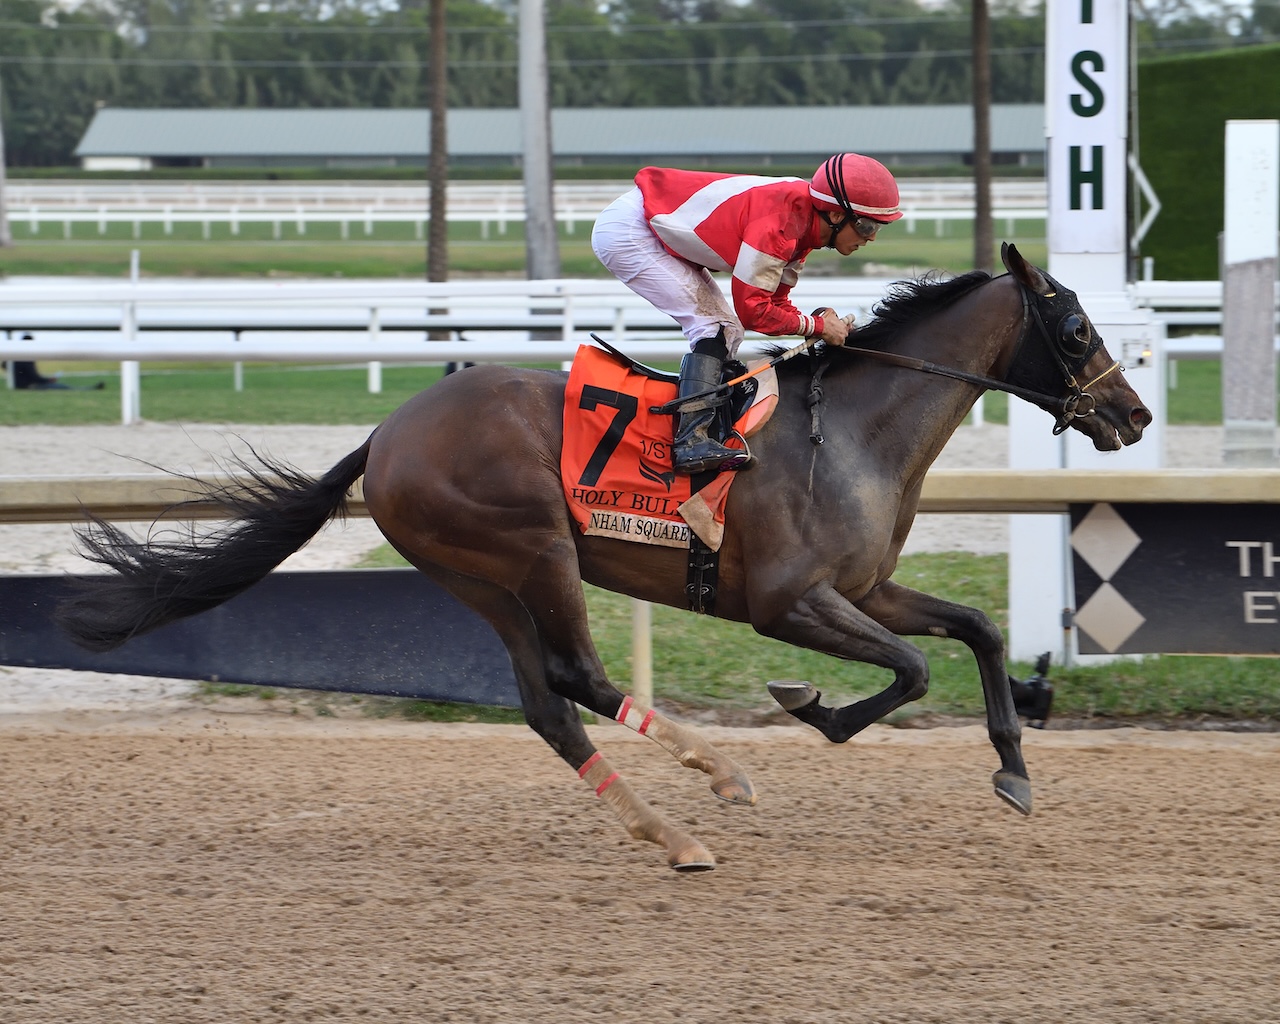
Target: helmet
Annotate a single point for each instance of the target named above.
(855, 185)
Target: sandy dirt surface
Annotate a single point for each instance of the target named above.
(210, 867)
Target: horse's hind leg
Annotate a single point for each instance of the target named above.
(554, 598)
(558, 721)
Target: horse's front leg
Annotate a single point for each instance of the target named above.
(909, 612)
(823, 620)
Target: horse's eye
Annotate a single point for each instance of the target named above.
(1073, 333)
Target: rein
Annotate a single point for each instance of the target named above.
(924, 366)
(1076, 404)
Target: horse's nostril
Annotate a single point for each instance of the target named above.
(1140, 417)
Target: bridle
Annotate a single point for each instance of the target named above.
(1071, 348)
(1070, 353)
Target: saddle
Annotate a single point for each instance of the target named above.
(615, 461)
(730, 409)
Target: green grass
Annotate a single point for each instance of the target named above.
(710, 663)
(1195, 392)
(205, 394)
(288, 393)
(393, 251)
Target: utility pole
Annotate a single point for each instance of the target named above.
(438, 164)
(983, 238)
(542, 247)
(6, 237)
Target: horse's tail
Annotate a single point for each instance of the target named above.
(274, 511)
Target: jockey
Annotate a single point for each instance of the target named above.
(663, 237)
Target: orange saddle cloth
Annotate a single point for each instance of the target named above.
(616, 461)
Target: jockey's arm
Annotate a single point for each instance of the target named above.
(763, 279)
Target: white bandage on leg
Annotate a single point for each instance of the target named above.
(635, 717)
(597, 773)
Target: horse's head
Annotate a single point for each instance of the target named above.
(1061, 354)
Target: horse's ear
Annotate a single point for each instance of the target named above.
(1022, 270)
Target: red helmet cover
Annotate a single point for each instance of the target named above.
(855, 184)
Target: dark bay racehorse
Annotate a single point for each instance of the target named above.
(463, 480)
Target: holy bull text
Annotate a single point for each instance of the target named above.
(648, 504)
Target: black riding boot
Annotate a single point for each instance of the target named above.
(695, 452)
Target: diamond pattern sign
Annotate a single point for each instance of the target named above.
(1176, 578)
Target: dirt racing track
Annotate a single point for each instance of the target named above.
(201, 866)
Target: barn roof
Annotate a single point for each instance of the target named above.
(594, 131)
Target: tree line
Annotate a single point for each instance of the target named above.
(58, 66)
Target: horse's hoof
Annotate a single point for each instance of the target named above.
(735, 789)
(1013, 790)
(793, 694)
(692, 867)
(689, 856)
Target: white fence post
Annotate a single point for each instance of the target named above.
(642, 652)
(1250, 220)
(375, 368)
(130, 370)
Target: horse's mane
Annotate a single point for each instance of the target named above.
(907, 302)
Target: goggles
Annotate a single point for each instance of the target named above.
(866, 227)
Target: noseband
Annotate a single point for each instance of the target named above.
(1076, 404)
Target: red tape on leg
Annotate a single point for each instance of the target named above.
(586, 767)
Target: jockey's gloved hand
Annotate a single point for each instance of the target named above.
(835, 328)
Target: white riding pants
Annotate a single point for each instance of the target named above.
(627, 246)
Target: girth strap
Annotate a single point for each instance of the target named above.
(703, 578)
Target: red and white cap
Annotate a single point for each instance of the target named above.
(857, 185)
